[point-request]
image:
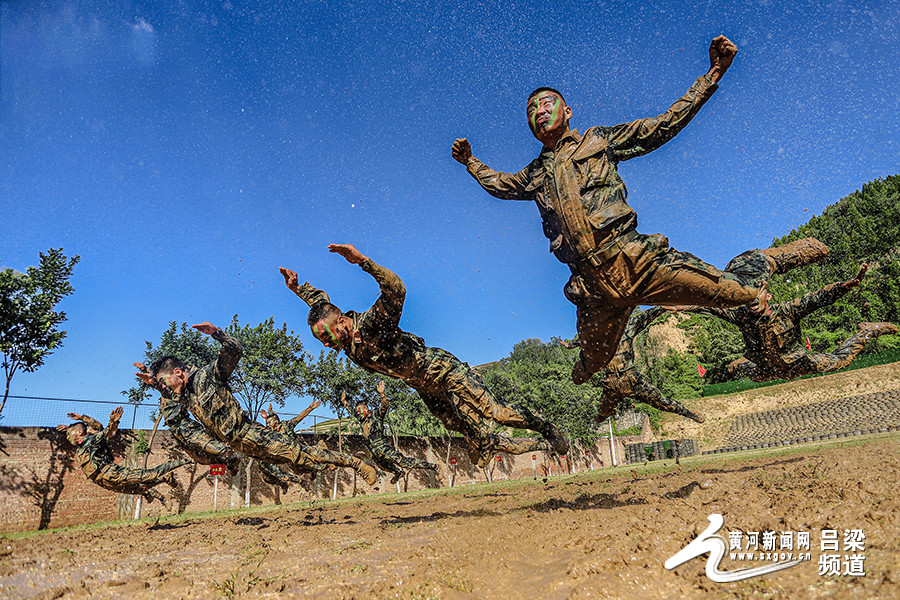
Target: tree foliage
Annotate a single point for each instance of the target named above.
(332, 375)
(29, 321)
(538, 375)
(273, 366)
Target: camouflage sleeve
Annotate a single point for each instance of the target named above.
(639, 137)
(388, 308)
(91, 422)
(229, 355)
(311, 295)
(506, 186)
(813, 301)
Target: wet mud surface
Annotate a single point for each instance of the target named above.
(603, 534)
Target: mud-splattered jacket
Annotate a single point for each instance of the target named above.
(94, 452)
(774, 340)
(373, 426)
(381, 346)
(576, 186)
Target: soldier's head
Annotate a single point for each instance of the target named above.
(171, 371)
(76, 433)
(330, 326)
(362, 408)
(548, 115)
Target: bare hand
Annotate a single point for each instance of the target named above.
(315, 404)
(146, 378)
(461, 151)
(344, 397)
(62, 427)
(116, 414)
(349, 252)
(74, 416)
(290, 279)
(263, 413)
(566, 345)
(380, 387)
(721, 54)
(206, 327)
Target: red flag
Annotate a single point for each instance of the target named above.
(701, 370)
(808, 347)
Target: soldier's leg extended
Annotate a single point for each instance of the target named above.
(150, 477)
(466, 386)
(600, 326)
(272, 446)
(207, 450)
(847, 352)
(644, 391)
(275, 475)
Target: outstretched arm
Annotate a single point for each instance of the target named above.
(828, 295)
(144, 375)
(506, 186)
(639, 137)
(384, 400)
(89, 421)
(389, 306)
(292, 423)
(306, 292)
(113, 426)
(229, 353)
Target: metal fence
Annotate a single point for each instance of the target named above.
(31, 411)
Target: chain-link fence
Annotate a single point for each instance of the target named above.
(31, 411)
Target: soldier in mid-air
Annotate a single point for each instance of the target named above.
(622, 380)
(774, 344)
(206, 393)
(452, 390)
(192, 437)
(94, 456)
(384, 454)
(591, 228)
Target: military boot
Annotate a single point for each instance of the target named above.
(870, 331)
(556, 439)
(796, 254)
(365, 470)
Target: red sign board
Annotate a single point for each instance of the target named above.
(216, 469)
(498, 459)
(453, 461)
(534, 457)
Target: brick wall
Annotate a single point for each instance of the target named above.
(41, 487)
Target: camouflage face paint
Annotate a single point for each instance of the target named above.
(544, 98)
(324, 334)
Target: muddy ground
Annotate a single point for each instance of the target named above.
(603, 534)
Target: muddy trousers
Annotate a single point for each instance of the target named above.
(136, 481)
(481, 441)
(396, 463)
(631, 384)
(203, 448)
(643, 270)
(466, 389)
(842, 356)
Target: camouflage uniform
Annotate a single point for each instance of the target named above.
(192, 437)
(774, 345)
(622, 380)
(274, 422)
(208, 397)
(581, 199)
(95, 458)
(383, 452)
(453, 391)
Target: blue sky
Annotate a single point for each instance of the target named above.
(186, 150)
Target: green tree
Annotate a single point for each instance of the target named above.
(29, 321)
(538, 376)
(273, 366)
(332, 375)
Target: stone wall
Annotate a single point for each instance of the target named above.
(41, 487)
